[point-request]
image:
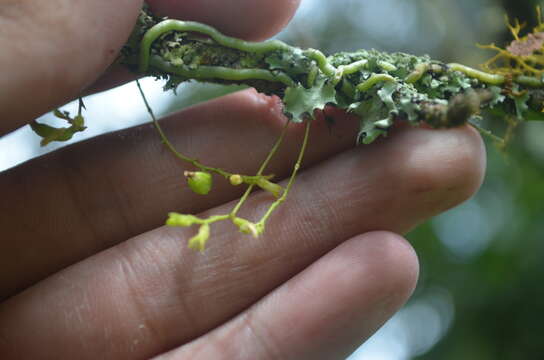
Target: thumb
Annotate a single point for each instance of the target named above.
(51, 50)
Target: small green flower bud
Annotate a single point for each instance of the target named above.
(175, 219)
(79, 122)
(198, 242)
(247, 227)
(236, 180)
(199, 181)
(271, 187)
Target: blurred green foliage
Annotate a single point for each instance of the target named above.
(498, 294)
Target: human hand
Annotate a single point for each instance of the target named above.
(81, 227)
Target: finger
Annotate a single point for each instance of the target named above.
(54, 49)
(63, 207)
(75, 41)
(325, 312)
(152, 293)
(247, 19)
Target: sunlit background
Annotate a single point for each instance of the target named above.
(480, 295)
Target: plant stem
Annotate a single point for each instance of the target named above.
(261, 169)
(296, 168)
(171, 147)
(221, 72)
(189, 26)
(491, 79)
(373, 80)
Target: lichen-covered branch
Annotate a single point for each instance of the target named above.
(380, 88)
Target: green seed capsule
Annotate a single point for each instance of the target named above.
(199, 181)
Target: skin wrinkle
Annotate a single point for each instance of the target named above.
(182, 281)
(220, 348)
(320, 207)
(363, 189)
(130, 280)
(136, 194)
(429, 180)
(119, 200)
(89, 219)
(222, 343)
(265, 340)
(34, 233)
(211, 285)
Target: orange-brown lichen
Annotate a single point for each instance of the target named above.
(523, 56)
(528, 47)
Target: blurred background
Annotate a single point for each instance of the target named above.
(480, 294)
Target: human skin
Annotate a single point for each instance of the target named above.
(87, 271)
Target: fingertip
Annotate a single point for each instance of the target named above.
(474, 155)
(388, 261)
(444, 166)
(247, 19)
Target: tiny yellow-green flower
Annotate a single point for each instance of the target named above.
(198, 242)
(175, 219)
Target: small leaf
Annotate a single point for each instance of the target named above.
(521, 104)
(496, 96)
(369, 132)
(64, 115)
(50, 133)
(372, 113)
(386, 94)
(292, 63)
(301, 102)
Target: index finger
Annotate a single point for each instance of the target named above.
(246, 19)
(55, 49)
